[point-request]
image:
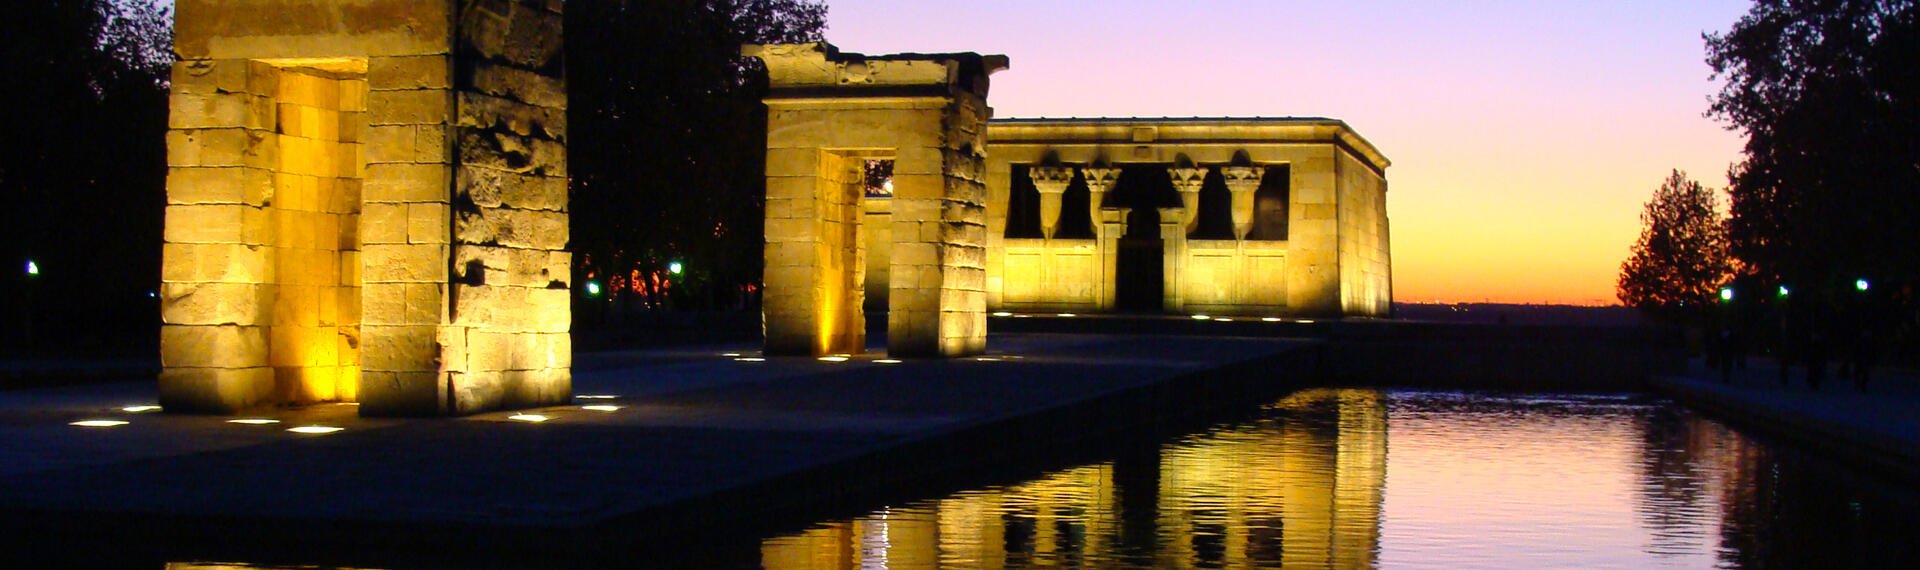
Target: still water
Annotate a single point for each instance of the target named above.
(1364, 478)
(1359, 478)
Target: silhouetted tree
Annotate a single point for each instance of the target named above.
(83, 166)
(667, 144)
(1680, 262)
(1828, 94)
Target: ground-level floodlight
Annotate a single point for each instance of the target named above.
(32, 268)
(1726, 293)
(1861, 284)
(1783, 290)
(674, 268)
(593, 288)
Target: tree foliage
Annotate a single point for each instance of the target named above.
(667, 142)
(83, 164)
(1828, 94)
(1681, 260)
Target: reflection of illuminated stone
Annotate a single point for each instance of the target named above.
(356, 215)
(1301, 489)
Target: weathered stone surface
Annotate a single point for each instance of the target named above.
(487, 112)
(312, 204)
(521, 85)
(409, 107)
(234, 29)
(511, 153)
(409, 72)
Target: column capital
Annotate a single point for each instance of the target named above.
(1188, 179)
(1050, 179)
(1242, 182)
(1101, 179)
(1242, 178)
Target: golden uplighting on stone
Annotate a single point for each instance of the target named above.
(531, 418)
(312, 251)
(314, 430)
(830, 116)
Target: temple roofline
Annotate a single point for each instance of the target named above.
(1185, 131)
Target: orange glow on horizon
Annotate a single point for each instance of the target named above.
(1524, 139)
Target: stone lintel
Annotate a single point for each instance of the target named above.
(821, 65)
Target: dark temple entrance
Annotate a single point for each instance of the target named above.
(1139, 282)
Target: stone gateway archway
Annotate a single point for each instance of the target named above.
(828, 114)
(366, 202)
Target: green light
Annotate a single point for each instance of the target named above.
(593, 288)
(1726, 293)
(1783, 290)
(673, 268)
(1861, 284)
(32, 268)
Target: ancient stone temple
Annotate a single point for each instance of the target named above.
(1257, 216)
(831, 116)
(366, 202)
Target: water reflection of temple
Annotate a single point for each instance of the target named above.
(1299, 486)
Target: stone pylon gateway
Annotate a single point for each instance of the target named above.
(366, 202)
(829, 113)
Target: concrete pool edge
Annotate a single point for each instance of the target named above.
(1857, 431)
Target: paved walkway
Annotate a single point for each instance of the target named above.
(689, 422)
(1880, 426)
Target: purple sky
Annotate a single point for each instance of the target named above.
(1525, 136)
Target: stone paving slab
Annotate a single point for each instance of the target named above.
(1879, 426)
(692, 421)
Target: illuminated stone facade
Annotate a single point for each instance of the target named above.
(366, 202)
(1245, 216)
(829, 113)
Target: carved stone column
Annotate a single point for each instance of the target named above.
(1109, 225)
(1188, 181)
(1242, 181)
(1175, 224)
(1173, 242)
(1051, 181)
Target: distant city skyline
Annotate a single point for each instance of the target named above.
(1525, 136)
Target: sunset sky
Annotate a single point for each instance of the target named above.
(1525, 135)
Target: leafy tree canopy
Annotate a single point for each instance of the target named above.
(1828, 93)
(668, 137)
(1680, 262)
(83, 164)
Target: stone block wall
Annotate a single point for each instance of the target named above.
(511, 309)
(1229, 277)
(1051, 275)
(827, 114)
(370, 188)
(1365, 264)
(1313, 235)
(876, 235)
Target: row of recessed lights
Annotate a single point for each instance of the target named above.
(1263, 319)
(320, 429)
(737, 357)
(248, 421)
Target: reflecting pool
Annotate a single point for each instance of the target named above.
(1364, 478)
